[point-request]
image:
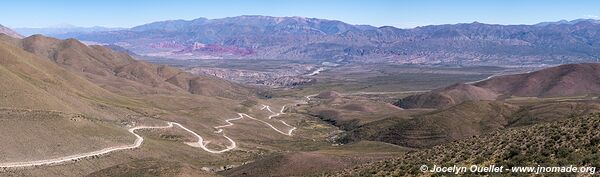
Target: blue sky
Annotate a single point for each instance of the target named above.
(399, 13)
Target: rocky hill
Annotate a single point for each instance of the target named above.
(267, 37)
(573, 141)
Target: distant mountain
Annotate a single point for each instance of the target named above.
(267, 37)
(566, 22)
(9, 32)
(63, 29)
(561, 81)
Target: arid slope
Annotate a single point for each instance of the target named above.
(119, 72)
(560, 81)
(573, 141)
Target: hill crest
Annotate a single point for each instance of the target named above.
(9, 32)
(560, 81)
(121, 73)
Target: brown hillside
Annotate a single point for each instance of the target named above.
(9, 32)
(32, 82)
(560, 81)
(467, 119)
(111, 81)
(457, 122)
(293, 164)
(328, 95)
(314, 163)
(446, 97)
(553, 111)
(564, 80)
(119, 72)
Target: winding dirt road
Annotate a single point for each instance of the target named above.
(268, 108)
(289, 133)
(139, 140)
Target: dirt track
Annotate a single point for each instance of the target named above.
(139, 140)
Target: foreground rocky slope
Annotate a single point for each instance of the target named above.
(316, 162)
(572, 141)
(465, 120)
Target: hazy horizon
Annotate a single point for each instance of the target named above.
(43, 14)
(68, 25)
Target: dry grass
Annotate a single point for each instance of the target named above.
(571, 141)
(352, 111)
(36, 135)
(314, 163)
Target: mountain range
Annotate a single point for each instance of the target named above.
(62, 29)
(9, 32)
(265, 37)
(103, 86)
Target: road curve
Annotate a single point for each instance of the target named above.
(200, 143)
(288, 133)
(137, 143)
(274, 114)
(487, 78)
(139, 140)
(220, 128)
(309, 96)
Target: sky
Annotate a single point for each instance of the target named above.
(398, 13)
